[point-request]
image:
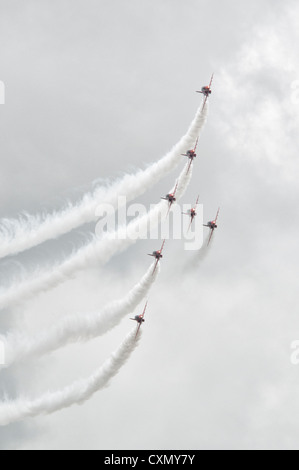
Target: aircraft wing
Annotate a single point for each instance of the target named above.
(189, 167)
(204, 103)
(138, 328)
(217, 214)
(175, 189)
(155, 268)
(170, 205)
(190, 225)
(210, 237)
(144, 310)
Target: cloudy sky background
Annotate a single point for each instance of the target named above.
(98, 88)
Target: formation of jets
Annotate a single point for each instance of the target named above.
(171, 198)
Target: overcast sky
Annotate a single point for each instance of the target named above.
(96, 88)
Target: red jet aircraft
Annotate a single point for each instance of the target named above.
(171, 198)
(192, 213)
(212, 225)
(158, 255)
(140, 319)
(191, 154)
(206, 91)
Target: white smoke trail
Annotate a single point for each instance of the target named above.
(21, 234)
(77, 393)
(99, 251)
(198, 256)
(79, 327)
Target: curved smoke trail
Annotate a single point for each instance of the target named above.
(17, 235)
(99, 251)
(77, 393)
(79, 327)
